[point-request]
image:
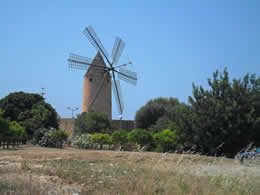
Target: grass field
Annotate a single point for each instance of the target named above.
(35, 170)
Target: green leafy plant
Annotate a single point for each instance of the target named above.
(58, 137)
(16, 130)
(83, 141)
(119, 137)
(92, 122)
(49, 137)
(101, 139)
(166, 140)
(140, 136)
(29, 110)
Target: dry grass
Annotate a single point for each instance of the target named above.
(34, 170)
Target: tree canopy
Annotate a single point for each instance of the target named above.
(219, 120)
(156, 113)
(92, 122)
(29, 110)
(226, 116)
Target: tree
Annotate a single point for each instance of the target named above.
(29, 110)
(140, 136)
(4, 127)
(119, 137)
(16, 130)
(226, 116)
(155, 114)
(92, 122)
(181, 122)
(166, 140)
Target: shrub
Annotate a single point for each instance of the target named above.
(140, 136)
(101, 139)
(119, 137)
(83, 141)
(166, 140)
(49, 137)
(58, 137)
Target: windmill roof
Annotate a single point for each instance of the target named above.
(99, 61)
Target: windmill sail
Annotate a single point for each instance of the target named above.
(118, 96)
(127, 75)
(90, 33)
(117, 51)
(80, 62)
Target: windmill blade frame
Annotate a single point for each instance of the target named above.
(90, 33)
(127, 75)
(118, 96)
(117, 50)
(81, 62)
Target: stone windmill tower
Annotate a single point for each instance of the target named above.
(97, 88)
(100, 77)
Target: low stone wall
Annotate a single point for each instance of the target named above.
(67, 124)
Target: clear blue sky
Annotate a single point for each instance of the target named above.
(171, 43)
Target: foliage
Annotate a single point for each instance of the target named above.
(155, 114)
(226, 116)
(119, 137)
(182, 124)
(166, 140)
(100, 138)
(49, 137)
(92, 122)
(41, 137)
(29, 110)
(4, 127)
(16, 130)
(58, 137)
(83, 141)
(10, 129)
(140, 136)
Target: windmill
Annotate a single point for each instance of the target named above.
(99, 76)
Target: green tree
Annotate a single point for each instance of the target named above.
(99, 138)
(226, 116)
(4, 127)
(29, 110)
(16, 130)
(140, 136)
(119, 137)
(155, 114)
(92, 122)
(181, 123)
(166, 140)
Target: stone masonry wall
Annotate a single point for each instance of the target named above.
(67, 124)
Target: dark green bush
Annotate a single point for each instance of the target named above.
(119, 137)
(4, 127)
(140, 136)
(92, 122)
